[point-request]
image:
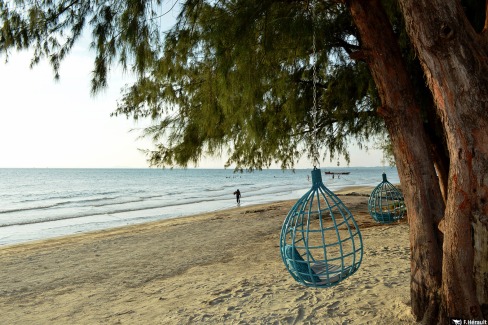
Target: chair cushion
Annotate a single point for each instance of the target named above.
(322, 273)
(299, 265)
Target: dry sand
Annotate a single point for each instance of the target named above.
(216, 268)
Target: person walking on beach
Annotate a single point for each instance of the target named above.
(238, 196)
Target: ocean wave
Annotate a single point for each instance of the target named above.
(55, 205)
(108, 198)
(62, 197)
(193, 200)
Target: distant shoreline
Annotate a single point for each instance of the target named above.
(362, 190)
(48, 203)
(198, 168)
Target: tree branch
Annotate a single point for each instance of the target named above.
(485, 28)
(348, 47)
(359, 55)
(318, 84)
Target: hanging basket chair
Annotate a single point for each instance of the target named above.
(320, 242)
(386, 203)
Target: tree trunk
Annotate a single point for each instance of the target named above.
(455, 60)
(401, 113)
(438, 145)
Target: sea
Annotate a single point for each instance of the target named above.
(45, 203)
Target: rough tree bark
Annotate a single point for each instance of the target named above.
(455, 60)
(402, 116)
(438, 145)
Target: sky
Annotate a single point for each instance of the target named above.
(58, 124)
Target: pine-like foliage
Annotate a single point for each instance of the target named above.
(122, 30)
(231, 77)
(237, 76)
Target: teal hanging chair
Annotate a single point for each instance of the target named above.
(320, 242)
(386, 203)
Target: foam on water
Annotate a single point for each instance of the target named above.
(42, 203)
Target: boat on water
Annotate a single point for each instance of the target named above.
(336, 173)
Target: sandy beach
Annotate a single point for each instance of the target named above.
(216, 268)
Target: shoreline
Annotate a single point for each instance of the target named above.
(115, 231)
(341, 191)
(71, 201)
(217, 267)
